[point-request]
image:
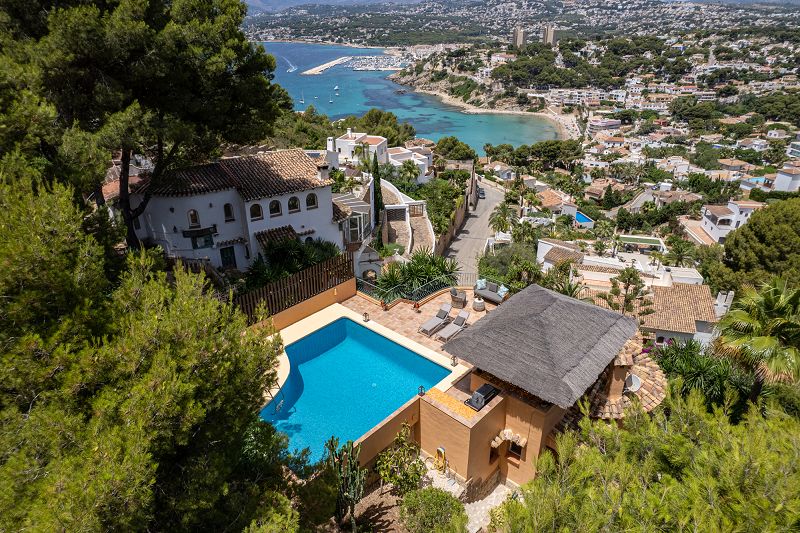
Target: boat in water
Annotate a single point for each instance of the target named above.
(302, 98)
(292, 66)
(330, 99)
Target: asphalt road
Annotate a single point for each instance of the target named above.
(470, 241)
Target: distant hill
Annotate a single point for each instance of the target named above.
(259, 6)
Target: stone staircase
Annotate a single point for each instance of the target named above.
(420, 234)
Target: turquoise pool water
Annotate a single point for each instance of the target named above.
(360, 91)
(343, 380)
(581, 218)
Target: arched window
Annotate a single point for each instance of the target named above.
(309, 239)
(294, 204)
(311, 201)
(228, 209)
(274, 208)
(194, 218)
(255, 212)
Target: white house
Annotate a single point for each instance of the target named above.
(421, 157)
(229, 210)
(501, 170)
(352, 146)
(787, 179)
(719, 220)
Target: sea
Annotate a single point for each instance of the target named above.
(360, 91)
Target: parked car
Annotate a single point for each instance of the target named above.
(481, 193)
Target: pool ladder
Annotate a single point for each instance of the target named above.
(280, 403)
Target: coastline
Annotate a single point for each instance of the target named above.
(565, 124)
(386, 50)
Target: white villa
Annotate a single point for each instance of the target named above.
(419, 155)
(353, 145)
(226, 212)
(718, 221)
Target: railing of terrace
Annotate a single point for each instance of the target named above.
(461, 279)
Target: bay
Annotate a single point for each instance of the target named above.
(360, 91)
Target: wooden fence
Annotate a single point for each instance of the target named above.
(283, 294)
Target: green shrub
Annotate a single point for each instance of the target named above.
(401, 464)
(433, 510)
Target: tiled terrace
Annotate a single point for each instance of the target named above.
(405, 320)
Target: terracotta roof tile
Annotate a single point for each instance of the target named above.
(256, 176)
(340, 211)
(282, 233)
(677, 308)
(559, 255)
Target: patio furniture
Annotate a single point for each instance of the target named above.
(453, 328)
(490, 293)
(478, 304)
(458, 298)
(436, 322)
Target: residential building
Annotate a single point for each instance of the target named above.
(662, 198)
(551, 252)
(421, 157)
(793, 150)
(597, 190)
(787, 179)
(501, 170)
(352, 147)
(595, 126)
(557, 202)
(519, 37)
(227, 211)
(676, 312)
(717, 221)
(549, 35)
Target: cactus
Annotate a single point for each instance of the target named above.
(350, 477)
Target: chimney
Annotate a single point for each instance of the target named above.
(349, 132)
(723, 303)
(331, 145)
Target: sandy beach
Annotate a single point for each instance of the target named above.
(565, 124)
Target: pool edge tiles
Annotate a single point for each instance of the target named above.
(334, 312)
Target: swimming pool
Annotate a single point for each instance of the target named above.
(343, 380)
(581, 218)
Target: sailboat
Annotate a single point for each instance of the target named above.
(330, 99)
(302, 98)
(336, 90)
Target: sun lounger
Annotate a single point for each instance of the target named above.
(433, 324)
(450, 331)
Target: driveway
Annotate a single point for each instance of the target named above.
(470, 241)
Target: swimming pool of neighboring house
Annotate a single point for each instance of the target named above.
(583, 220)
(344, 379)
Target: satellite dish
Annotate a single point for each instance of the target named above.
(633, 383)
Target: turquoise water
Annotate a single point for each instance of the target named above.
(344, 379)
(581, 218)
(360, 91)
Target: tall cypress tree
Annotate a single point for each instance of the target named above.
(377, 196)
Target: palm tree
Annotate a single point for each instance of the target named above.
(503, 217)
(408, 172)
(600, 247)
(761, 332)
(603, 229)
(525, 233)
(681, 253)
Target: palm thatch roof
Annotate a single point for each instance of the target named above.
(548, 344)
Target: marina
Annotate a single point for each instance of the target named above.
(360, 63)
(325, 66)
